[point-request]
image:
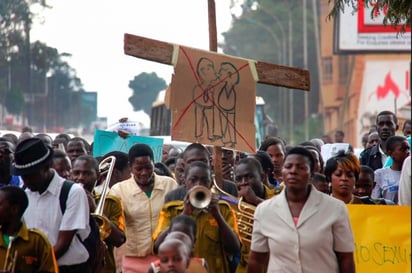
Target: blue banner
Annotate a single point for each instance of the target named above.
(105, 142)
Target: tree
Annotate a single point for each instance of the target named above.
(16, 18)
(34, 77)
(145, 88)
(14, 101)
(261, 32)
(14, 15)
(64, 88)
(45, 58)
(15, 24)
(396, 12)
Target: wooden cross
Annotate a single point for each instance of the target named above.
(162, 52)
(271, 74)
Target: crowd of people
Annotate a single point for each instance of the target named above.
(174, 216)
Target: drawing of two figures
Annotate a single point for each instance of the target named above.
(215, 102)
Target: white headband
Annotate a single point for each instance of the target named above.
(28, 165)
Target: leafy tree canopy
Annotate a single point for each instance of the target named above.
(145, 88)
(396, 12)
(272, 31)
(14, 101)
(34, 76)
(16, 19)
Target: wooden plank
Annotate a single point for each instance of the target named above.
(217, 150)
(149, 49)
(271, 74)
(284, 76)
(211, 8)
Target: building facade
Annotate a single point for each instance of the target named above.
(361, 74)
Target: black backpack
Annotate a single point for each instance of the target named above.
(94, 245)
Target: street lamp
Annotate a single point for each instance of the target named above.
(305, 65)
(291, 109)
(274, 18)
(287, 55)
(282, 96)
(285, 38)
(47, 76)
(282, 30)
(269, 30)
(237, 11)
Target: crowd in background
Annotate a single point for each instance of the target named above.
(173, 214)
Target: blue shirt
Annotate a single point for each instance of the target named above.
(14, 181)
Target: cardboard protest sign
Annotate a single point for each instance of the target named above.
(382, 238)
(212, 99)
(105, 142)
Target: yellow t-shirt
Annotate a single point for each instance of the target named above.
(245, 250)
(34, 252)
(208, 241)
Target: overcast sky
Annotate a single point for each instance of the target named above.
(92, 31)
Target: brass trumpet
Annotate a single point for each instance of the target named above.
(11, 258)
(244, 213)
(200, 197)
(105, 228)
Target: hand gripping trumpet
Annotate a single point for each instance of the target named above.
(244, 213)
(105, 166)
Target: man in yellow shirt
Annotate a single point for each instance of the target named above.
(27, 250)
(86, 171)
(216, 223)
(249, 179)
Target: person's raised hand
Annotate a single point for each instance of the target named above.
(248, 195)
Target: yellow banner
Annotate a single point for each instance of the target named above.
(382, 238)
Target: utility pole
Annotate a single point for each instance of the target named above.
(317, 46)
(305, 65)
(291, 106)
(283, 97)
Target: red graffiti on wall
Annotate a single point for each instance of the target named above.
(389, 86)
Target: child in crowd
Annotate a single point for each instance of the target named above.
(183, 225)
(22, 249)
(373, 139)
(174, 256)
(320, 183)
(364, 186)
(61, 163)
(387, 179)
(389, 160)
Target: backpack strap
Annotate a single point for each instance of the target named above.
(64, 193)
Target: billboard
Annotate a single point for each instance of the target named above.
(364, 31)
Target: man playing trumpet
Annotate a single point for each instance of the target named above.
(249, 177)
(216, 222)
